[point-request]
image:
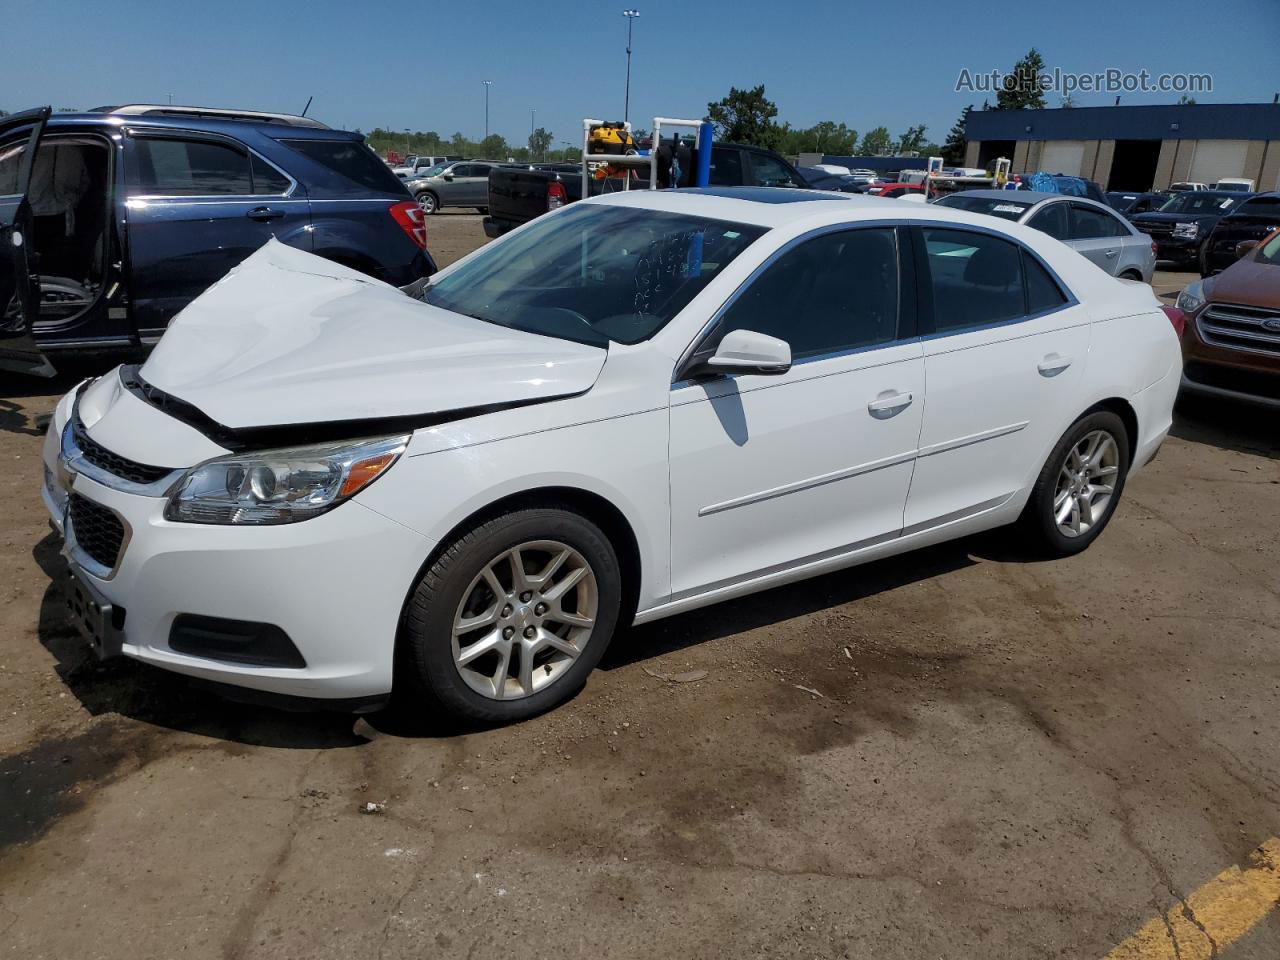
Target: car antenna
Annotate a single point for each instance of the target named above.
(308, 106)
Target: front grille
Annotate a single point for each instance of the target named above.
(1241, 328)
(97, 530)
(114, 464)
(1156, 229)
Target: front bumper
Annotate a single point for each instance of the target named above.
(334, 584)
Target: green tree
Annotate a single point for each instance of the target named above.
(912, 141)
(494, 147)
(745, 116)
(539, 141)
(953, 150)
(1184, 100)
(876, 142)
(459, 144)
(1021, 89)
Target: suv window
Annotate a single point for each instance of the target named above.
(1051, 220)
(353, 160)
(976, 279)
(191, 168)
(769, 172)
(835, 292)
(726, 167)
(266, 178)
(1090, 223)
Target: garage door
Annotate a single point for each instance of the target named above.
(1062, 156)
(1215, 159)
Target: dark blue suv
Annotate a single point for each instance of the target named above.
(112, 221)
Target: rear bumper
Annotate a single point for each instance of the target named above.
(494, 228)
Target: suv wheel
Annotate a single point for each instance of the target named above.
(427, 201)
(1077, 491)
(511, 618)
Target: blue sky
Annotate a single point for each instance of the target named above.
(420, 65)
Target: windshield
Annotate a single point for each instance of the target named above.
(993, 206)
(594, 273)
(434, 171)
(1199, 201)
(1269, 252)
(1121, 201)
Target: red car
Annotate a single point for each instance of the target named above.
(894, 189)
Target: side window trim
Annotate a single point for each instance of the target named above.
(907, 306)
(133, 175)
(928, 329)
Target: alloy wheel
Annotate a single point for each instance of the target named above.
(525, 619)
(427, 202)
(1086, 483)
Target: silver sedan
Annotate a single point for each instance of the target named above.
(1091, 228)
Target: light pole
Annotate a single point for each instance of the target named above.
(626, 103)
(487, 85)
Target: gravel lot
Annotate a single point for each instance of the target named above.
(956, 753)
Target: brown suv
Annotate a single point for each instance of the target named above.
(1231, 342)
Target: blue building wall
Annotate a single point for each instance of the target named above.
(1198, 121)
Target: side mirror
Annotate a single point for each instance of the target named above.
(448, 176)
(745, 351)
(1243, 248)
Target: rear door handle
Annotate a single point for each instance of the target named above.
(886, 406)
(264, 213)
(1109, 253)
(1052, 365)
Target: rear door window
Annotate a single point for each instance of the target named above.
(1090, 223)
(975, 279)
(726, 167)
(1051, 220)
(351, 159)
(191, 168)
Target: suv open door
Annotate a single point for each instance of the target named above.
(19, 290)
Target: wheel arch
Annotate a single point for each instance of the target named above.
(1123, 409)
(596, 508)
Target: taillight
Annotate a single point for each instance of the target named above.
(1177, 317)
(556, 197)
(412, 221)
(1155, 250)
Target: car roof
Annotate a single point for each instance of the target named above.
(227, 124)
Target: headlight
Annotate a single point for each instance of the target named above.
(1186, 231)
(281, 486)
(1191, 298)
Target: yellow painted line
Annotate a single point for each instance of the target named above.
(1216, 915)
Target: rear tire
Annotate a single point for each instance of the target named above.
(483, 211)
(537, 646)
(1079, 486)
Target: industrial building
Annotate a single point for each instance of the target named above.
(1134, 148)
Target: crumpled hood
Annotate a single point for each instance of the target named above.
(291, 338)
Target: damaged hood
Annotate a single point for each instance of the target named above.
(291, 338)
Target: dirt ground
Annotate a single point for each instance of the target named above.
(952, 754)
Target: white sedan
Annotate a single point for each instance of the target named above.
(321, 486)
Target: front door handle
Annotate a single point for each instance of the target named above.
(886, 405)
(1052, 365)
(264, 213)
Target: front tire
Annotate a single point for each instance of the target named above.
(428, 202)
(510, 618)
(1079, 486)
